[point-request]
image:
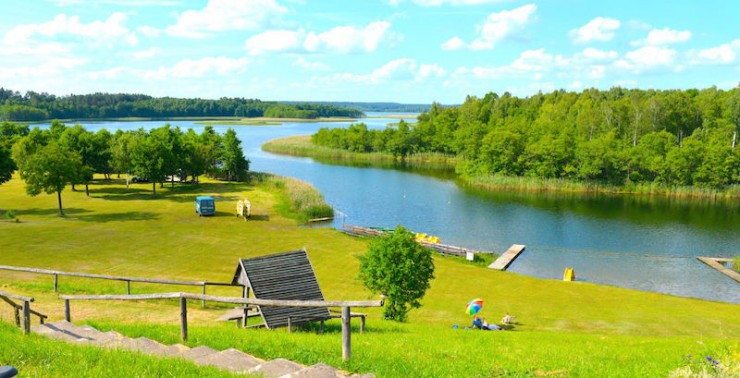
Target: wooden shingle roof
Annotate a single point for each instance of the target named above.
(287, 276)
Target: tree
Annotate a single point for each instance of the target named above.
(148, 157)
(49, 169)
(397, 266)
(7, 166)
(234, 163)
(121, 150)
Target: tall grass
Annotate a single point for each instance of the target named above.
(301, 146)
(536, 184)
(300, 199)
(736, 263)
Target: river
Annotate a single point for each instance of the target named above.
(640, 242)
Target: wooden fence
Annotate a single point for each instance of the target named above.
(25, 309)
(128, 280)
(345, 305)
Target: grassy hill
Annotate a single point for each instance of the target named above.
(563, 329)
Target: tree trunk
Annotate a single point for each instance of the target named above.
(59, 199)
(172, 178)
(87, 190)
(154, 188)
(73, 187)
(127, 180)
(734, 139)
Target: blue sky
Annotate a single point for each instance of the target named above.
(410, 51)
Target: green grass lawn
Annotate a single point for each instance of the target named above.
(563, 329)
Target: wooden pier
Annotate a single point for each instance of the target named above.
(441, 248)
(714, 262)
(508, 257)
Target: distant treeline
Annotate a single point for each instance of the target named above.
(616, 137)
(35, 106)
(390, 107)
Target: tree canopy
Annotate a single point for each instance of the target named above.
(617, 137)
(397, 266)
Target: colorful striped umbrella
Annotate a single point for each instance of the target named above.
(474, 306)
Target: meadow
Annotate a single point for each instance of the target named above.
(574, 329)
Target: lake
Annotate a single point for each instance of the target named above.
(633, 241)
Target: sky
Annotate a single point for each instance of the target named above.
(408, 51)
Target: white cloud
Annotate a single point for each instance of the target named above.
(723, 54)
(348, 39)
(648, 58)
(110, 30)
(189, 68)
(112, 73)
(399, 69)
(665, 36)
(436, 3)
(149, 31)
(497, 27)
(341, 40)
(598, 55)
(221, 15)
(454, 43)
(148, 53)
(274, 40)
(599, 29)
(313, 66)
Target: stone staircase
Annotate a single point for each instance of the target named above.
(230, 359)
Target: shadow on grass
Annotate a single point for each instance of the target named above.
(51, 211)
(259, 218)
(117, 217)
(334, 326)
(181, 193)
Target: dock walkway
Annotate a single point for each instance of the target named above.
(508, 257)
(714, 262)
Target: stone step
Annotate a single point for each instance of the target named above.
(50, 330)
(176, 350)
(276, 368)
(316, 371)
(198, 352)
(86, 331)
(145, 345)
(230, 359)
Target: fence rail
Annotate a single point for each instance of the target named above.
(25, 308)
(345, 305)
(128, 280)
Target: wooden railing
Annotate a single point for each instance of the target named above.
(128, 280)
(25, 309)
(345, 305)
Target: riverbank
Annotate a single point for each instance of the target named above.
(302, 146)
(576, 329)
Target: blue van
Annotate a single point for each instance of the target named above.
(205, 205)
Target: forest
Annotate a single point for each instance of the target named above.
(50, 159)
(616, 137)
(33, 106)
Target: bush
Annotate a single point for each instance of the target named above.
(397, 266)
(736, 263)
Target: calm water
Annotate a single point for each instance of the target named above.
(638, 242)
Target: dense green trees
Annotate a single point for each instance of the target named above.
(34, 106)
(398, 267)
(157, 155)
(618, 137)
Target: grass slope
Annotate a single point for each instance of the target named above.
(564, 329)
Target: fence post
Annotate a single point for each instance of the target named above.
(128, 287)
(290, 325)
(17, 317)
(346, 339)
(56, 282)
(184, 318)
(26, 317)
(67, 315)
(203, 302)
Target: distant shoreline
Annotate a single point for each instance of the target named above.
(240, 121)
(301, 146)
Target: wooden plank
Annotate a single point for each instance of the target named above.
(236, 300)
(112, 278)
(715, 263)
(16, 296)
(508, 257)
